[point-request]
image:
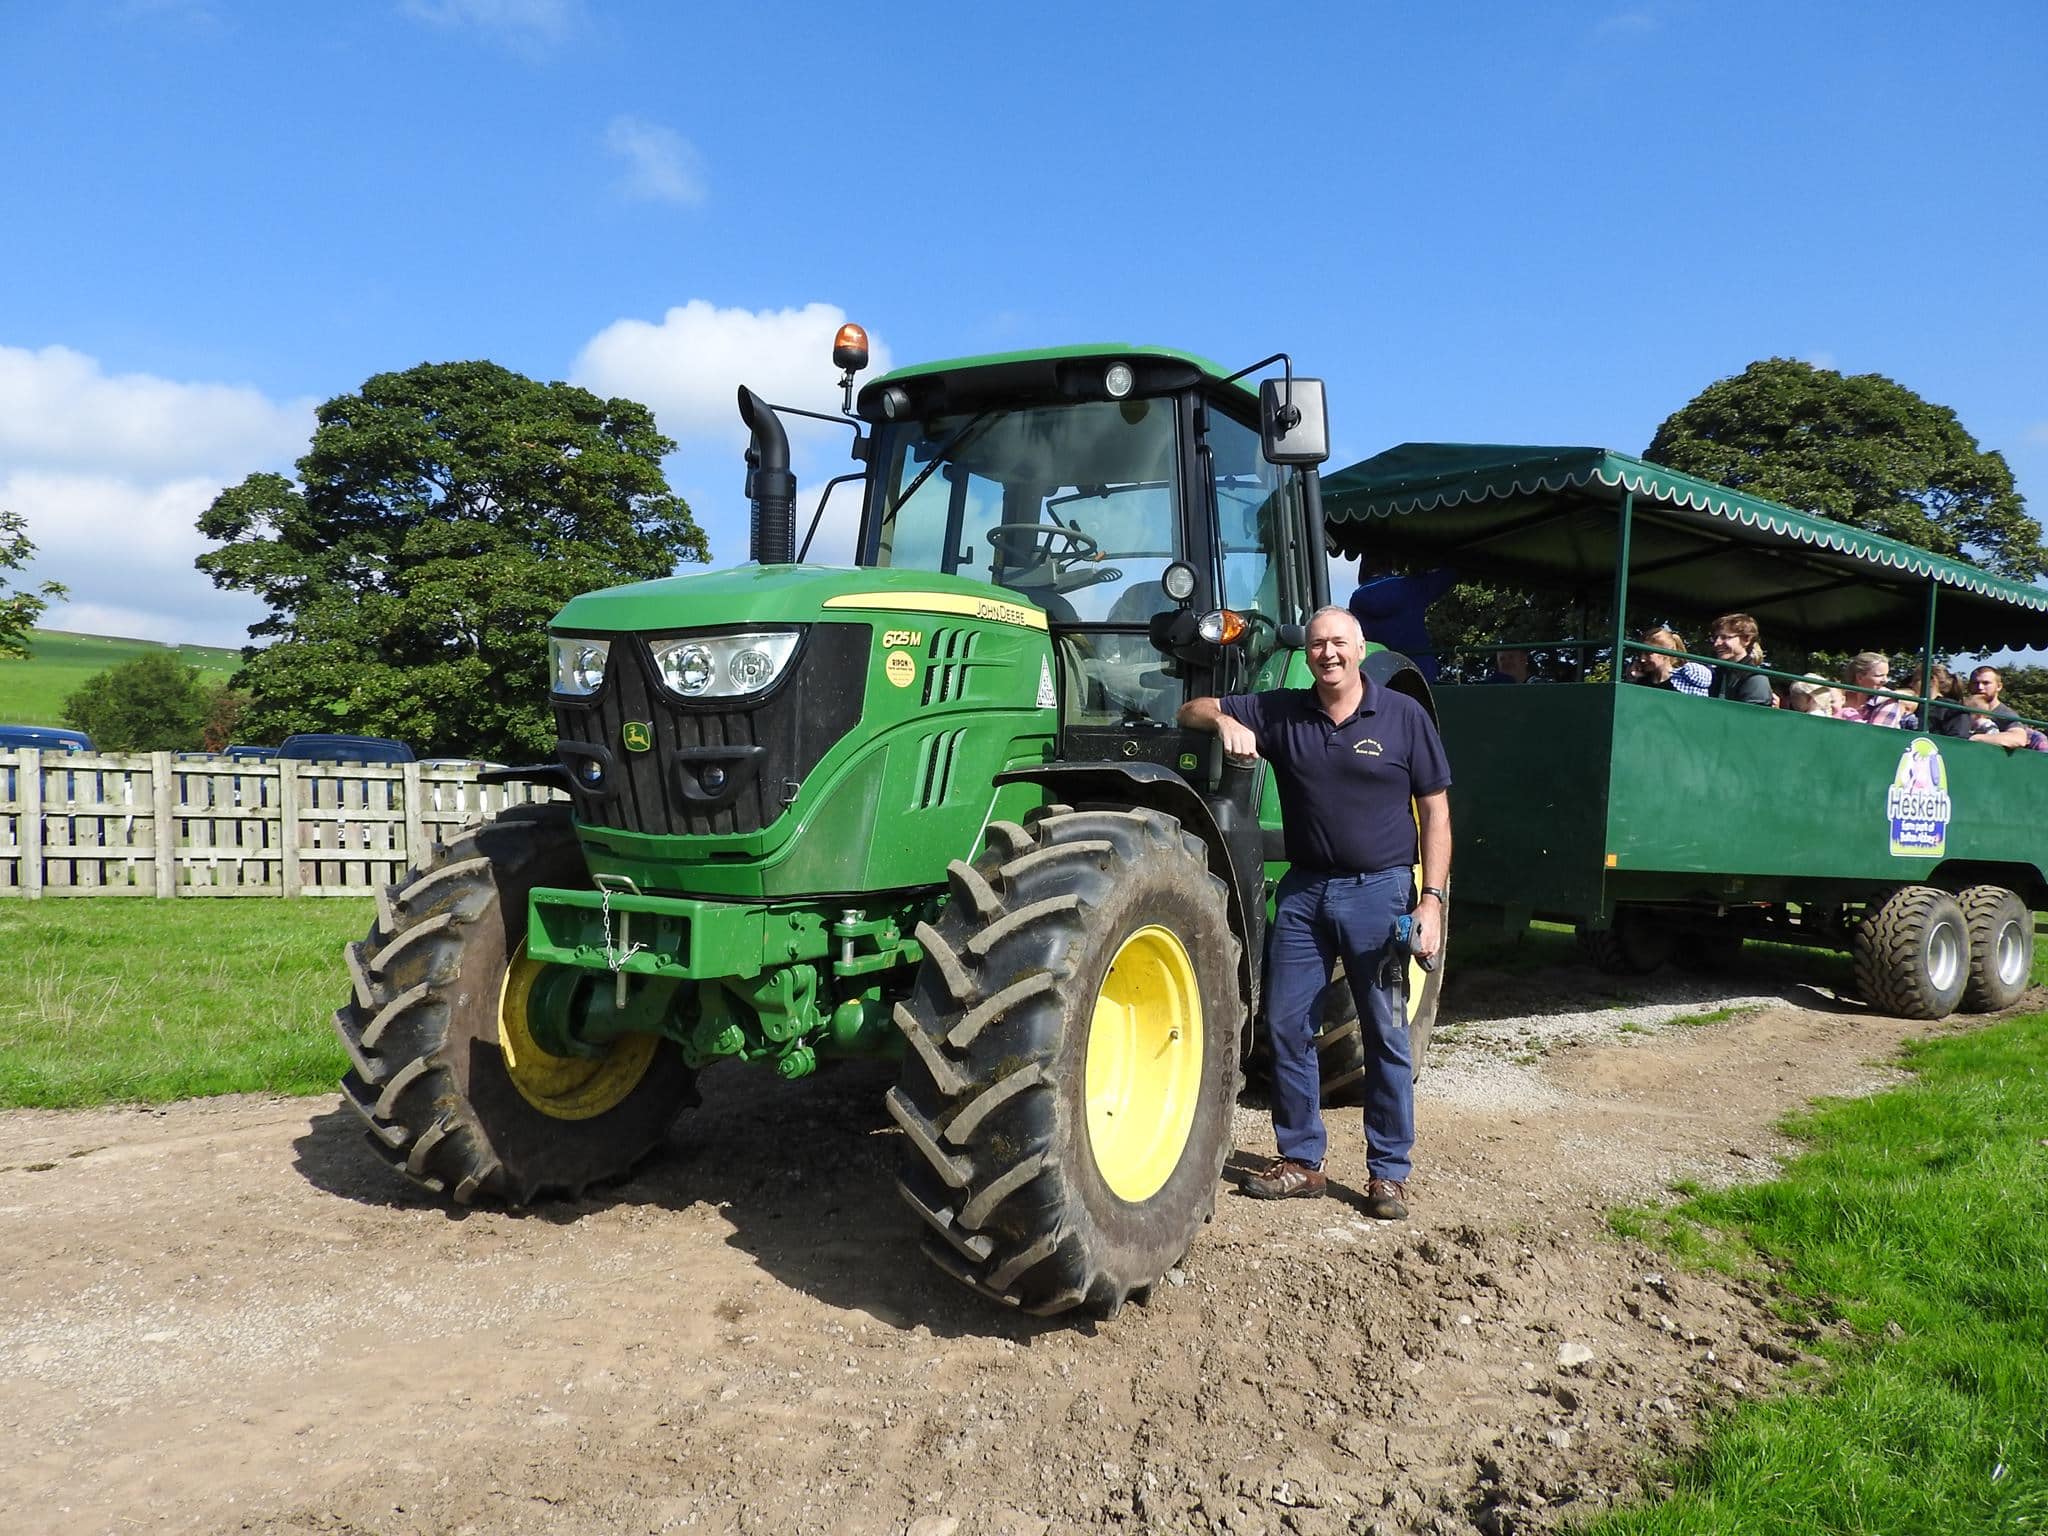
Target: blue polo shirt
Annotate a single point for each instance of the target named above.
(1345, 786)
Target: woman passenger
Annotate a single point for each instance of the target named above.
(1733, 640)
(1668, 671)
(1867, 670)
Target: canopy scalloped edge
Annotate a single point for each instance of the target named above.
(1643, 479)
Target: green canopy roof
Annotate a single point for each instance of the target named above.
(1548, 518)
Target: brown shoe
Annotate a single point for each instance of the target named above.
(1387, 1199)
(1285, 1179)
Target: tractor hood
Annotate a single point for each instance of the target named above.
(785, 594)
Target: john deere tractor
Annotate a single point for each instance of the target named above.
(933, 804)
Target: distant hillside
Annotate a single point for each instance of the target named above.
(32, 692)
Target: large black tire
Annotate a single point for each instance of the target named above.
(2001, 947)
(1635, 945)
(433, 1011)
(1340, 1042)
(1912, 954)
(1011, 1082)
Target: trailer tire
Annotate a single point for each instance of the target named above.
(1083, 969)
(451, 1090)
(2001, 947)
(1912, 953)
(1635, 944)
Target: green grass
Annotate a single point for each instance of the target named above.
(1919, 1217)
(119, 1000)
(32, 691)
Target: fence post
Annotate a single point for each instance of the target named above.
(288, 835)
(416, 850)
(31, 836)
(163, 798)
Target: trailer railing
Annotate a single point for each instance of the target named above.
(167, 824)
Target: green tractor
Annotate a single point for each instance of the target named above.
(932, 805)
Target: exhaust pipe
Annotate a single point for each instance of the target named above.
(771, 488)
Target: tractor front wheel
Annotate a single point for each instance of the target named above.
(445, 1069)
(1073, 1034)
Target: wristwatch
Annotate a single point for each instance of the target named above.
(1438, 892)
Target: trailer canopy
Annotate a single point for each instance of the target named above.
(1554, 518)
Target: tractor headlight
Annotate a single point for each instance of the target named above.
(576, 664)
(723, 666)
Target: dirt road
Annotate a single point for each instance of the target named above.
(230, 1316)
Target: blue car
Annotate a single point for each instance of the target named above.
(321, 747)
(44, 738)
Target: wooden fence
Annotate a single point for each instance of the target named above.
(191, 824)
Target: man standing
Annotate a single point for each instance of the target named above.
(1349, 757)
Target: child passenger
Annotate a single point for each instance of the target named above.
(1813, 695)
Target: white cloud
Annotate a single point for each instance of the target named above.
(58, 408)
(1823, 360)
(110, 473)
(2038, 432)
(661, 165)
(689, 366)
(1638, 22)
(545, 21)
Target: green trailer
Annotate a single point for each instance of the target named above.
(1654, 820)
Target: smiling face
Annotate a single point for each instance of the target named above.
(1728, 645)
(1336, 645)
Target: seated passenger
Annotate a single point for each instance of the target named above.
(1866, 670)
(1993, 722)
(1509, 667)
(1389, 606)
(1668, 671)
(1733, 640)
(1813, 695)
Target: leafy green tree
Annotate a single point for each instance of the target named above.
(154, 703)
(19, 610)
(441, 517)
(1861, 449)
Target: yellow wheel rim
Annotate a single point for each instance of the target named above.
(1144, 1075)
(563, 1087)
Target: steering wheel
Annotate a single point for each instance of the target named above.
(1040, 539)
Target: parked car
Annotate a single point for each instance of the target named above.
(44, 738)
(250, 754)
(321, 747)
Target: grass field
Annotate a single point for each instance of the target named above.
(1920, 1218)
(32, 691)
(140, 1001)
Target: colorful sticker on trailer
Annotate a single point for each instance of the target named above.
(1917, 804)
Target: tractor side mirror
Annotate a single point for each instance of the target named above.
(1294, 421)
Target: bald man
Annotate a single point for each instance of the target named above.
(1350, 759)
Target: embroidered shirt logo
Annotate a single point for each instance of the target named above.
(1367, 747)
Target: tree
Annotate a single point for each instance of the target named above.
(151, 704)
(1862, 450)
(441, 517)
(19, 612)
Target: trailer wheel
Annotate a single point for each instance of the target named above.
(1912, 953)
(444, 1071)
(1073, 1033)
(1634, 945)
(2001, 947)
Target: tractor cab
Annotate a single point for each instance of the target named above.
(1126, 492)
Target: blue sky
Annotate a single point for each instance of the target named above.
(1488, 221)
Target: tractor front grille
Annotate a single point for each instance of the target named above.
(717, 767)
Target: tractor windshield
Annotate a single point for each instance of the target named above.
(1073, 506)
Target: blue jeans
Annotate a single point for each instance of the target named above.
(1318, 920)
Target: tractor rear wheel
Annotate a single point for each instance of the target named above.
(1912, 953)
(1066, 1098)
(2001, 947)
(1340, 1041)
(444, 1068)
